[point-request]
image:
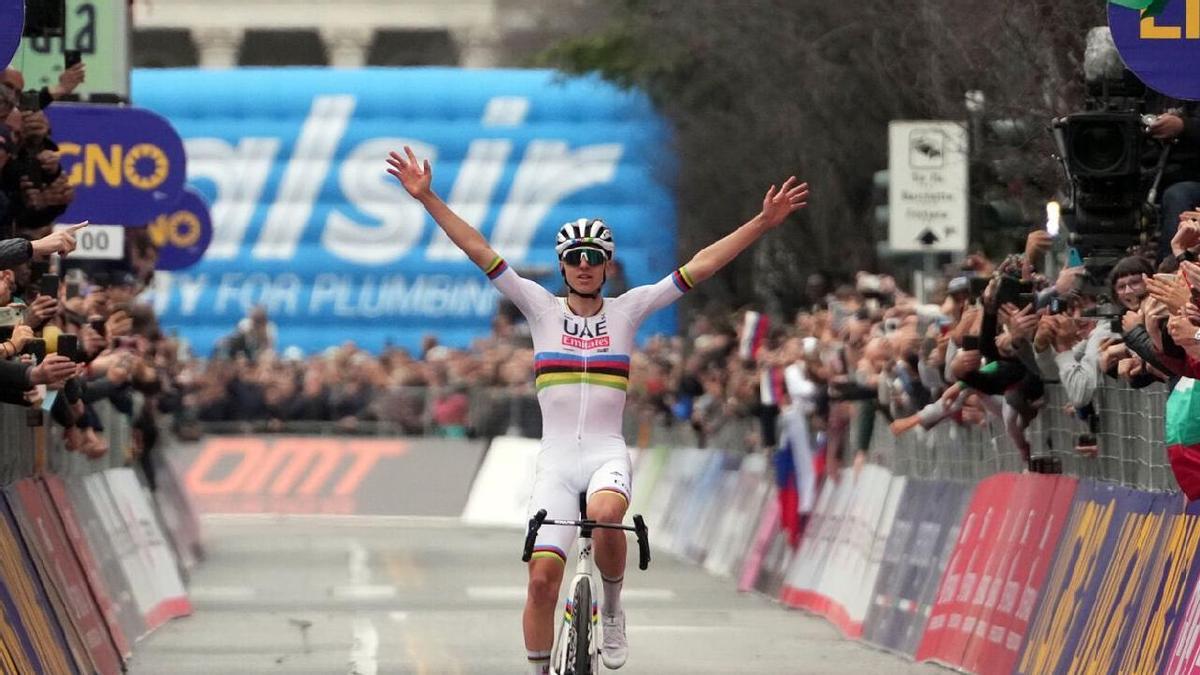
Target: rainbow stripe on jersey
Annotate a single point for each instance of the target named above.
(496, 268)
(604, 370)
(683, 280)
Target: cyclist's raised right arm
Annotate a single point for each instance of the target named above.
(417, 177)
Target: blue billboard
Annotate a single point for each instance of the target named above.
(127, 164)
(307, 223)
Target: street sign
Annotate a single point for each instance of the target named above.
(927, 187)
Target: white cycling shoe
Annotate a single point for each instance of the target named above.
(614, 649)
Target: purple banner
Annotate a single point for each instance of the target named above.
(12, 20)
(127, 164)
(183, 233)
(1162, 50)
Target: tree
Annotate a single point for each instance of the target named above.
(757, 89)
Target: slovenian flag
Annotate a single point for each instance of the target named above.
(754, 334)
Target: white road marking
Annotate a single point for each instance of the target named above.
(506, 593)
(364, 592)
(398, 617)
(366, 645)
(634, 628)
(221, 593)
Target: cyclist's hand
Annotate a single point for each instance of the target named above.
(415, 176)
(790, 198)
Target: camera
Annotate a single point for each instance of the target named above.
(1107, 310)
(30, 101)
(1019, 293)
(1109, 159)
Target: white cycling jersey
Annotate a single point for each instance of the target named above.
(581, 363)
(581, 370)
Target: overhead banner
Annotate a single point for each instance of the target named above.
(307, 223)
(182, 234)
(1159, 40)
(12, 20)
(127, 164)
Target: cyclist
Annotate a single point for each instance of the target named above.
(582, 346)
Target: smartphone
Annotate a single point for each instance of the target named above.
(68, 346)
(971, 343)
(48, 285)
(31, 101)
(72, 57)
(36, 347)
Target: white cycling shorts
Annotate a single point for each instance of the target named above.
(567, 467)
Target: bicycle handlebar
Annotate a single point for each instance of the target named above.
(535, 523)
(638, 528)
(643, 540)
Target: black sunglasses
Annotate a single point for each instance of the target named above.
(575, 256)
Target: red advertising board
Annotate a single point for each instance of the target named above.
(945, 637)
(991, 587)
(44, 533)
(57, 491)
(1039, 508)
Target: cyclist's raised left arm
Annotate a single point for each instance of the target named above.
(777, 205)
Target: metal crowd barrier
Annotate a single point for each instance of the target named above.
(19, 440)
(1130, 448)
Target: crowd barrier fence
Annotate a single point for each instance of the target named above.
(91, 559)
(944, 549)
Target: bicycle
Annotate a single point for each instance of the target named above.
(578, 630)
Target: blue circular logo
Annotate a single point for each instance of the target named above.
(12, 22)
(1159, 40)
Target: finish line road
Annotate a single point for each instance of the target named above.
(378, 596)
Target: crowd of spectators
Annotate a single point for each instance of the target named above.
(72, 333)
(982, 350)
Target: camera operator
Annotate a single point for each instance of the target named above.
(1176, 123)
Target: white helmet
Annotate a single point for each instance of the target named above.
(585, 232)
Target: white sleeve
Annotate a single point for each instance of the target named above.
(638, 303)
(527, 295)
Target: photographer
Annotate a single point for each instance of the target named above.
(1177, 124)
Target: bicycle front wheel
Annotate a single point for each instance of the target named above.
(579, 657)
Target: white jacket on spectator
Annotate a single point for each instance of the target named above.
(1079, 367)
(794, 431)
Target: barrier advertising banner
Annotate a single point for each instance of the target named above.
(923, 535)
(29, 621)
(307, 223)
(1184, 657)
(62, 574)
(142, 552)
(500, 492)
(766, 531)
(835, 569)
(127, 164)
(739, 515)
(99, 525)
(56, 490)
(327, 474)
(1015, 570)
(1118, 584)
(996, 573)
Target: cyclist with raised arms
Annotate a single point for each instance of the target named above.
(582, 346)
